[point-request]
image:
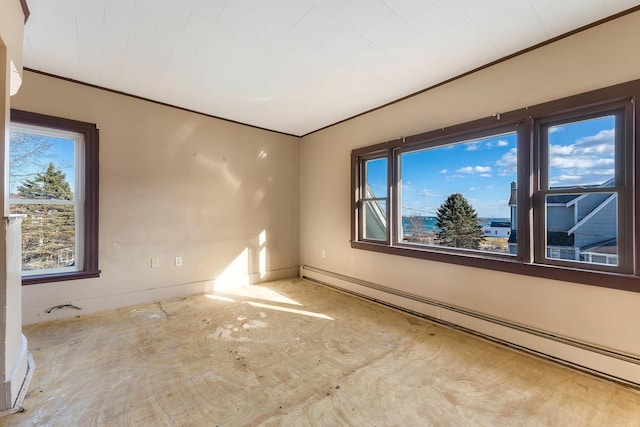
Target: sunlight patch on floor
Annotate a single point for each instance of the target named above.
(259, 292)
(288, 310)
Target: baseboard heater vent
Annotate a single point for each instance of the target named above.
(342, 282)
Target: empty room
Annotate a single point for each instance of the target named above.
(320, 213)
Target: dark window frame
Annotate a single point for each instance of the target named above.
(525, 121)
(364, 199)
(91, 188)
(623, 111)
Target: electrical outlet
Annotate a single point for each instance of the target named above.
(324, 254)
(178, 261)
(155, 262)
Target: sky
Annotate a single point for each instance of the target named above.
(581, 153)
(61, 153)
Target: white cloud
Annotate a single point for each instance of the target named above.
(473, 146)
(508, 162)
(566, 179)
(428, 193)
(443, 171)
(474, 169)
(580, 163)
(502, 143)
(589, 160)
(485, 175)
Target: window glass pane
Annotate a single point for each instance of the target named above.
(376, 176)
(461, 195)
(375, 220)
(32, 153)
(582, 227)
(42, 170)
(582, 153)
(48, 236)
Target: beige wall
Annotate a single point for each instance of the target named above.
(173, 183)
(596, 58)
(11, 36)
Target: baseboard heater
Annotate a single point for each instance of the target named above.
(602, 362)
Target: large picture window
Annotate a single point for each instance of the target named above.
(53, 183)
(548, 190)
(456, 195)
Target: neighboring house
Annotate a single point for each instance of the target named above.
(375, 217)
(498, 229)
(579, 227)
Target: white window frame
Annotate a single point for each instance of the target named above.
(78, 192)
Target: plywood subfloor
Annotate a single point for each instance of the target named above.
(295, 353)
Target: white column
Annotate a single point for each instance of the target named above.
(13, 345)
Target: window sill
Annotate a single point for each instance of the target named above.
(619, 281)
(59, 277)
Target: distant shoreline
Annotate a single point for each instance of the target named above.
(427, 224)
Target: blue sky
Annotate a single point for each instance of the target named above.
(481, 170)
(61, 154)
(581, 153)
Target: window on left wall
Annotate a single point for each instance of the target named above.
(53, 182)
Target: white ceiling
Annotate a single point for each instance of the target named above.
(292, 66)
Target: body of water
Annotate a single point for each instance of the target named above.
(427, 224)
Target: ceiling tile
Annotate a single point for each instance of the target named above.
(440, 17)
(52, 20)
(360, 15)
(140, 52)
(171, 15)
(288, 65)
(411, 49)
(279, 41)
(329, 6)
(121, 19)
(206, 30)
(184, 46)
(210, 9)
(390, 31)
(407, 9)
(239, 18)
(317, 25)
(557, 15)
(92, 28)
(284, 12)
(346, 44)
(465, 44)
(615, 6)
(498, 20)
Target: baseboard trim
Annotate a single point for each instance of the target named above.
(19, 400)
(599, 361)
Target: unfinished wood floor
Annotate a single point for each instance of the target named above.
(295, 353)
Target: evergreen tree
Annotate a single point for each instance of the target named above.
(48, 231)
(49, 185)
(458, 225)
